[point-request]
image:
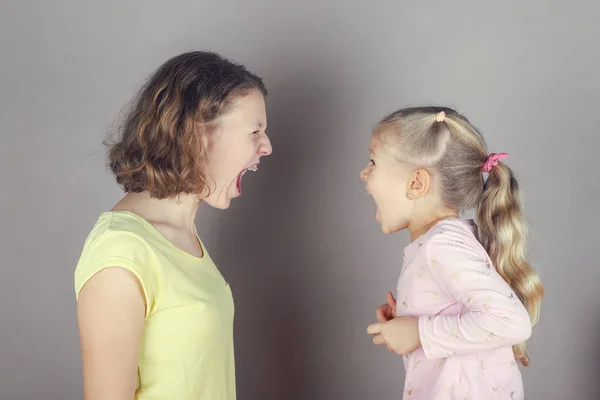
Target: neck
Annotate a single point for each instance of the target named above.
(422, 226)
(178, 211)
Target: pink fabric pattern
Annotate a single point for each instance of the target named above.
(469, 318)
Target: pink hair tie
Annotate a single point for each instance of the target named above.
(493, 160)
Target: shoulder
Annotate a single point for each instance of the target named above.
(117, 233)
(453, 238)
(118, 240)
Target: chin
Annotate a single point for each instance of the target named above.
(220, 205)
(386, 229)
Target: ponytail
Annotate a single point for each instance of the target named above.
(503, 233)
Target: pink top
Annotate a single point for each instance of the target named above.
(469, 319)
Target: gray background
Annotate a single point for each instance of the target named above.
(305, 258)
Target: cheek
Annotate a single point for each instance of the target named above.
(215, 154)
(243, 150)
(385, 190)
(373, 179)
(227, 159)
(393, 203)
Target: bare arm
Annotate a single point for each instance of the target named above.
(110, 310)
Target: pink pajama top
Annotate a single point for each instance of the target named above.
(469, 318)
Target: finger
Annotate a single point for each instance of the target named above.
(378, 339)
(390, 300)
(390, 314)
(374, 329)
(381, 314)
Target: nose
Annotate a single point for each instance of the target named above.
(265, 147)
(364, 173)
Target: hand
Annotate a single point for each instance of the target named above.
(387, 311)
(401, 334)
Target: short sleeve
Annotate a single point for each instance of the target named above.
(125, 250)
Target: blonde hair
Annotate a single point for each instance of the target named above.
(456, 152)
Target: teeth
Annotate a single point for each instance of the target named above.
(254, 168)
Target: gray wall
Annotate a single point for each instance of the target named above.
(306, 260)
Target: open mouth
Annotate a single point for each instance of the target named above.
(377, 212)
(252, 168)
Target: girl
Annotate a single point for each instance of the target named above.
(155, 314)
(467, 297)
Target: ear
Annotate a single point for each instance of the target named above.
(210, 132)
(419, 183)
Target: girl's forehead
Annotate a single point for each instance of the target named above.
(375, 144)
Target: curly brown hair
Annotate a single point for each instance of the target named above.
(158, 146)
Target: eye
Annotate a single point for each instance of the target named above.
(371, 162)
(256, 133)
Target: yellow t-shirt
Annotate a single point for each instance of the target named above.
(187, 340)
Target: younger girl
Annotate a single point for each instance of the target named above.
(467, 296)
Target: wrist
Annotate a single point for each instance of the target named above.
(425, 327)
(418, 331)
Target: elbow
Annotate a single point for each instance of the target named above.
(527, 328)
(520, 329)
(515, 327)
(523, 332)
